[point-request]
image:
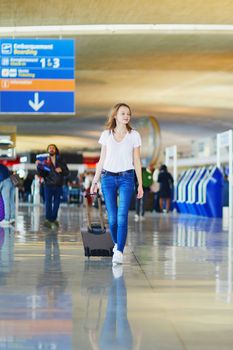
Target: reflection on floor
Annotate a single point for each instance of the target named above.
(174, 290)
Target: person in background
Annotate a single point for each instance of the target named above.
(53, 170)
(7, 190)
(165, 181)
(155, 189)
(87, 185)
(119, 160)
(27, 188)
(147, 181)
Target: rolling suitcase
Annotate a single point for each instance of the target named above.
(96, 237)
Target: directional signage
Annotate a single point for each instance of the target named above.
(37, 76)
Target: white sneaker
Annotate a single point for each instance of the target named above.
(117, 258)
(5, 223)
(136, 217)
(115, 248)
(117, 271)
(12, 221)
(142, 218)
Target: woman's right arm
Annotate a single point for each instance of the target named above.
(99, 167)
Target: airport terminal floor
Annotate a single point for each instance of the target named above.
(174, 290)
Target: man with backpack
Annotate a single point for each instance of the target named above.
(53, 169)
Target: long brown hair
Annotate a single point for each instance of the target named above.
(111, 122)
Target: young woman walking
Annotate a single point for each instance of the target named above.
(119, 160)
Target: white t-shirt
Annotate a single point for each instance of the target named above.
(119, 155)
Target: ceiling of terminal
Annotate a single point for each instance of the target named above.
(53, 12)
(184, 79)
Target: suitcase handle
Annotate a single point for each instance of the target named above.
(99, 208)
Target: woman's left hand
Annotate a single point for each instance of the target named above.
(140, 192)
(94, 188)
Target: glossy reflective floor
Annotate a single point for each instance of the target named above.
(173, 292)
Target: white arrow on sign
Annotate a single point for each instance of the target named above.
(36, 105)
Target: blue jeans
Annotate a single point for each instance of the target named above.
(52, 201)
(117, 208)
(7, 190)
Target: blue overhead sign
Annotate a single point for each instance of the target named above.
(37, 76)
(43, 102)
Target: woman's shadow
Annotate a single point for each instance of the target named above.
(115, 331)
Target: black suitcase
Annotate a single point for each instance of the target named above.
(96, 237)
